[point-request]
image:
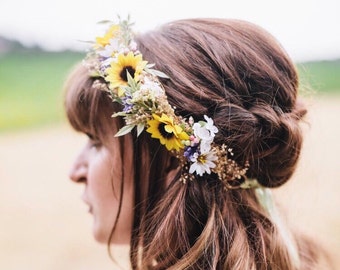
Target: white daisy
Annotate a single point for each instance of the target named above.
(203, 163)
(205, 146)
(107, 62)
(152, 86)
(133, 46)
(110, 49)
(201, 132)
(205, 131)
(210, 125)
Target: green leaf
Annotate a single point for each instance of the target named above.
(140, 128)
(117, 99)
(202, 123)
(86, 41)
(124, 130)
(94, 74)
(250, 183)
(127, 89)
(131, 81)
(104, 22)
(118, 114)
(158, 73)
(148, 66)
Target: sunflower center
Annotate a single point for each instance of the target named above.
(163, 132)
(123, 73)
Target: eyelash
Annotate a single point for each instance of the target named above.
(94, 142)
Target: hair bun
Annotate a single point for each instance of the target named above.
(267, 137)
(279, 144)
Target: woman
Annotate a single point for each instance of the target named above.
(181, 171)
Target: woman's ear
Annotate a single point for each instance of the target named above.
(172, 170)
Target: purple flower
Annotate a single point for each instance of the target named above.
(189, 151)
(128, 105)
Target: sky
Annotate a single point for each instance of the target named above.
(307, 29)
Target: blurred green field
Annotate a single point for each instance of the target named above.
(31, 85)
(322, 77)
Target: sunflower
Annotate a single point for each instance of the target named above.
(105, 40)
(117, 72)
(169, 134)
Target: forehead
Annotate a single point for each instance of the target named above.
(88, 108)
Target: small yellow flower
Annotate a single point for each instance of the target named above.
(105, 40)
(169, 134)
(117, 72)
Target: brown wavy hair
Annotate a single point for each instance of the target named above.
(240, 76)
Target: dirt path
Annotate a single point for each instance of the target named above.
(44, 225)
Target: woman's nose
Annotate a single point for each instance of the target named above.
(78, 171)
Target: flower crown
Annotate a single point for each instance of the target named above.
(132, 82)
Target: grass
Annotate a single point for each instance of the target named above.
(31, 87)
(31, 84)
(323, 77)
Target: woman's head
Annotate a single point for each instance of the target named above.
(99, 166)
(239, 76)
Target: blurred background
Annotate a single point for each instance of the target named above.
(43, 223)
